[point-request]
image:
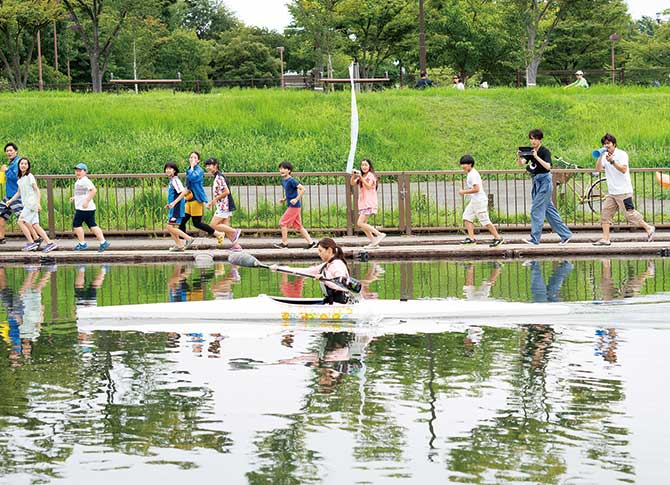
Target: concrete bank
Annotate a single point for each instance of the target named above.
(633, 244)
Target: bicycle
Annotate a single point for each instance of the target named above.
(592, 193)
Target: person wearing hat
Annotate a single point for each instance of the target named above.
(580, 82)
(84, 209)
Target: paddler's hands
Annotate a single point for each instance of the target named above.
(274, 267)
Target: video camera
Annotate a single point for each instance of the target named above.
(526, 153)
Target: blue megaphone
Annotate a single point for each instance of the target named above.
(598, 152)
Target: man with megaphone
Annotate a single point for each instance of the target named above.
(619, 190)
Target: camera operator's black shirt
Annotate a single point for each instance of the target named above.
(536, 169)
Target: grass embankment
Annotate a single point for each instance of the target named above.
(252, 130)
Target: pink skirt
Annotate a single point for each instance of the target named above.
(368, 212)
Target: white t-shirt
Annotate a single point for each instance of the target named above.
(475, 179)
(28, 194)
(617, 182)
(81, 189)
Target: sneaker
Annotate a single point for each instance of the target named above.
(311, 245)
(528, 241)
(467, 241)
(650, 234)
(235, 248)
(81, 246)
(39, 242)
(177, 249)
(236, 236)
(29, 247)
(565, 241)
(103, 245)
(280, 245)
(602, 242)
(49, 247)
(496, 242)
(188, 243)
(379, 238)
(3, 240)
(219, 240)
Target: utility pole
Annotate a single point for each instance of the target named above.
(422, 39)
(55, 47)
(613, 38)
(135, 66)
(40, 82)
(281, 61)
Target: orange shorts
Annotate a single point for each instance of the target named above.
(291, 218)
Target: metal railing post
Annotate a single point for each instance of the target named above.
(50, 208)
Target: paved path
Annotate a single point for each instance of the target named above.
(138, 250)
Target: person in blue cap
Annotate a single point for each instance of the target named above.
(84, 209)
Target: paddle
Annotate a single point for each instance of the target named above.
(249, 261)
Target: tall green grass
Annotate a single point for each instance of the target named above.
(253, 130)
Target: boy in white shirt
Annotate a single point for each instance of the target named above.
(84, 209)
(478, 206)
(620, 190)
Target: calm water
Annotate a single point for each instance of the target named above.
(474, 404)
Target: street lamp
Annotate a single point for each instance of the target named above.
(281, 61)
(613, 38)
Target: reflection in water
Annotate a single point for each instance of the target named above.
(475, 404)
(550, 291)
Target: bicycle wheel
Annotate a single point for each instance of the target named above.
(596, 195)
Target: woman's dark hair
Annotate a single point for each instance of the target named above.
(372, 169)
(10, 144)
(287, 165)
(467, 160)
(608, 137)
(27, 171)
(536, 134)
(197, 153)
(329, 243)
(173, 166)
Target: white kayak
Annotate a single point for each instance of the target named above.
(411, 315)
(278, 309)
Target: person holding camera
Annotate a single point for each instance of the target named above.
(366, 179)
(619, 190)
(538, 164)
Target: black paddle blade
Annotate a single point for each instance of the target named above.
(244, 259)
(348, 283)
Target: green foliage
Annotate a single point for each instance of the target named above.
(251, 131)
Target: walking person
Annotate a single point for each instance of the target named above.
(478, 205)
(29, 220)
(619, 190)
(366, 179)
(175, 205)
(539, 167)
(224, 203)
(196, 200)
(293, 193)
(11, 173)
(84, 210)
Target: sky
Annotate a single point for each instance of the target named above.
(273, 14)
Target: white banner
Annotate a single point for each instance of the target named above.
(354, 122)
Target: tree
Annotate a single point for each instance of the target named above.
(182, 51)
(376, 29)
(99, 23)
(244, 58)
(315, 25)
(470, 36)
(581, 40)
(207, 17)
(539, 19)
(19, 22)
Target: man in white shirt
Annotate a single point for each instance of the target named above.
(620, 190)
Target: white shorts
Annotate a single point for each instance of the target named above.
(30, 216)
(478, 209)
(222, 214)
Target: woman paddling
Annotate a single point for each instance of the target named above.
(334, 266)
